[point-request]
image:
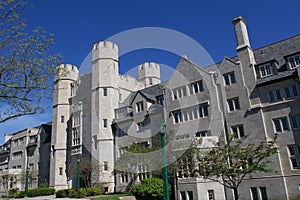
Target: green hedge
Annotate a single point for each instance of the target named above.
(72, 193)
(41, 192)
(61, 193)
(32, 193)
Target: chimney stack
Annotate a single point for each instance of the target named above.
(241, 33)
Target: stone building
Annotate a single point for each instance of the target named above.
(27, 148)
(97, 116)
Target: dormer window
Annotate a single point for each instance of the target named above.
(294, 61)
(265, 70)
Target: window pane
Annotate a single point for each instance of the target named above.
(237, 104)
(285, 124)
(294, 163)
(295, 91)
(278, 95)
(254, 193)
(241, 130)
(201, 86)
(230, 104)
(182, 194)
(277, 125)
(271, 97)
(294, 122)
(291, 150)
(263, 192)
(232, 77)
(211, 195)
(287, 92)
(205, 111)
(226, 78)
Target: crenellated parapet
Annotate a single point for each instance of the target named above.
(149, 73)
(105, 50)
(66, 71)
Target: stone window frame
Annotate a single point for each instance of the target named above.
(229, 78)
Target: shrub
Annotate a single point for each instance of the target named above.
(61, 193)
(151, 188)
(72, 193)
(82, 192)
(20, 194)
(46, 191)
(41, 192)
(92, 191)
(12, 193)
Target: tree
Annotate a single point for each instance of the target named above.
(26, 64)
(231, 162)
(134, 162)
(89, 172)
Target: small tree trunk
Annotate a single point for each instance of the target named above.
(236, 193)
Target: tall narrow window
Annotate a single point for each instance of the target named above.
(211, 194)
(254, 193)
(139, 106)
(182, 194)
(60, 171)
(150, 81)
(294, 122)
(278, 95)
(287, 92)
(295, 90)
(263, 192)
(190, 195)
(271, 97)
(62, 119)
(105, 92)
(104, 123)
(105, 166)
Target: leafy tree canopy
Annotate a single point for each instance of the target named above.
(26, 63)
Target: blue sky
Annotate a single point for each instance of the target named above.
(79, 24)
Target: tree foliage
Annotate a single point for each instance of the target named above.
(133, 159)
(26, 63)
(231, 162)
(150, 188)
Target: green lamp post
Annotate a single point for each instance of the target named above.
(78, 174)
(164, 162)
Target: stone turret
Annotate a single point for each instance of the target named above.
(64, 78)
(149, 73)
(105, 98)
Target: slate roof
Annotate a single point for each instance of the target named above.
(278, 50)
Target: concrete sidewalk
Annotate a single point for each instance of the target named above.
(47, 198)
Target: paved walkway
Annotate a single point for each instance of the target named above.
(49, 198)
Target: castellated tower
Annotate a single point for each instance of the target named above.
(149, 73)
(66, 75)
(105, 98)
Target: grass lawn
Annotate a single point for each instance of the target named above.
(111, 197)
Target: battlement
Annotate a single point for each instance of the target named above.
(66, 71)
(105, 50)
(149, 65)
(106, 44)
